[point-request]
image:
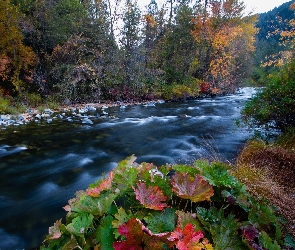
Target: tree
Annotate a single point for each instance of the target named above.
(274, 106)
(130, 40)
(17, 60)
(180, 47)
(224, 37)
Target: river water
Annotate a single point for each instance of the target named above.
(43, 165)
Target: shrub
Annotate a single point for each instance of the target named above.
(168, 207)
(4, 104)
(32, 99)
(274, 106)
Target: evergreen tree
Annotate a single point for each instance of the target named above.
(130, 40)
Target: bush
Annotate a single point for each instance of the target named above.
(274, 106)
(168, 207)
(190, 88)
(4, 104)
(32, 99)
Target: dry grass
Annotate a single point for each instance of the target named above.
(269, 172)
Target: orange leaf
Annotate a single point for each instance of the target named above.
(104, 185)
(193, 188)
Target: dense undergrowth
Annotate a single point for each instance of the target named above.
(141, 206)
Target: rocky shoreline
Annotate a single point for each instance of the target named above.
(83, 112)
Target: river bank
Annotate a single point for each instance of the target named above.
(76, 111)
(83, 111)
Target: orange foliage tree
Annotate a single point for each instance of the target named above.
(226, 40)
(17, 61)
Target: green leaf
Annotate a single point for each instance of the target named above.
(217, 175)
(267, 242)
(262, 213)
(289, 241)
(80, 224)
(186, 169)
(83, 204)
(125, 178)
(224, 230)
(104, 202)
(104, 234)
(160, 222)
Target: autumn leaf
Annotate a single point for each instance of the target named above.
(138, 235)
(188, 239)
(151, 197)
(104, 185)
(193, 188)
(55, 231)
(132, 230)
(185, 217)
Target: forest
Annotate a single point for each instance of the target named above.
(72, 51)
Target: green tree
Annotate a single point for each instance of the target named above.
(274, 106)
(132, 64)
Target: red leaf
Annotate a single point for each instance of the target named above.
(193, 188)
(133, 232)
(187, 238)
(123, 246)
(151, 197)
(104, 185)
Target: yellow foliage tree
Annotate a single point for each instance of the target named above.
(226, 39)
(17, 60)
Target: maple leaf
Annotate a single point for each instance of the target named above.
(193, 188)
(151, 197)
(104, 185)
(187, 239)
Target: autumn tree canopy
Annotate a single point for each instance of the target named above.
(91, 50)
(17, 61)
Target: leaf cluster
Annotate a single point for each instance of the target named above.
(141, 206)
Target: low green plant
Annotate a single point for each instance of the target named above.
(141, 206)
(175, 91)
(10, 106)
(4, 104)
(32, 99)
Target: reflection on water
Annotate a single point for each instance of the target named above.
(42, 165)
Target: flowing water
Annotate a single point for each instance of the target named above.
(42, 165)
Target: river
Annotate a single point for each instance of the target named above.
(42, 165)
